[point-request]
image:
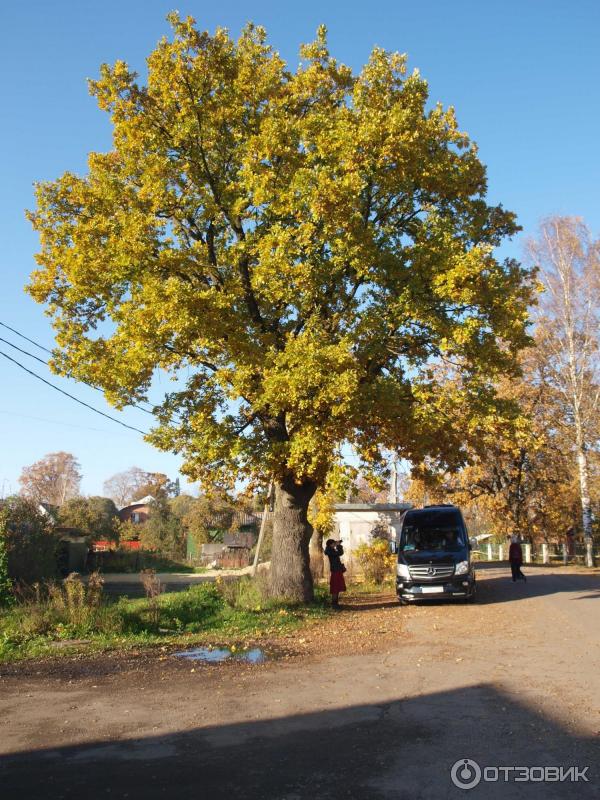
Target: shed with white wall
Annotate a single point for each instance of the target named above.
(354, 523)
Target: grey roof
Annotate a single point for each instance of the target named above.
(143, 501)
(372, 506)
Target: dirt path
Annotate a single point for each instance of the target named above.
(378, 703)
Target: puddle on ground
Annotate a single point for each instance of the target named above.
(218, 655)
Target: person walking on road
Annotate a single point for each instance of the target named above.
(334, 552)
(515, 556)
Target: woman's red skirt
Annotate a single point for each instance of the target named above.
(337, 583)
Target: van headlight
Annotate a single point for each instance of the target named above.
(461, 568)
(402, 571)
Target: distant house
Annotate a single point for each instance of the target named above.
(137, 512)
(234, 549)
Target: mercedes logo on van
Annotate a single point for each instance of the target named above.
(431, 571)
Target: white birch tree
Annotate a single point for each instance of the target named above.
(569, 333)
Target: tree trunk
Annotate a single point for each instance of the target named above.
(316, 555)
(586, 505)
(584, 491)
(290, 563)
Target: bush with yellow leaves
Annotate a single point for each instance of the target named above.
(376, 560)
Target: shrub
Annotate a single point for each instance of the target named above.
(6, 594)
(29, 542)
(130, 561)
(76, 603)
(119, 561)
(95, 517)
(128, 531)
(163, 532)
(61, 611)
(375, 560)
(193, 610)
(153, 588)
(247, 593)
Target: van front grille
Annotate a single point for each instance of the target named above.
(431, 571)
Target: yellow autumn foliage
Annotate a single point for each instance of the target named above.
(293, 247)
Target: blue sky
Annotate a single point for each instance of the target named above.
(523, 76)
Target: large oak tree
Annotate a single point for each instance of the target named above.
(296, 247)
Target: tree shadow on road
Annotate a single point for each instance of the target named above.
(540, 583)
(403, 749)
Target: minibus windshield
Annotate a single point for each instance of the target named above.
(441, 531)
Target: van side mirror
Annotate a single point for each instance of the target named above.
(473, 543)
(393, 546)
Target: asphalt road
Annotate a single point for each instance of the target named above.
(125, 584)
(512, 681)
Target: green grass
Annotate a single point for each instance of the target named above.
(227, 613)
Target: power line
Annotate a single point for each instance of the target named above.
(31, 355)
(72, 397)
(60, 422)
(41, 346)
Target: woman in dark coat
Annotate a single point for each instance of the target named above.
(334, 551)
(515, 556)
